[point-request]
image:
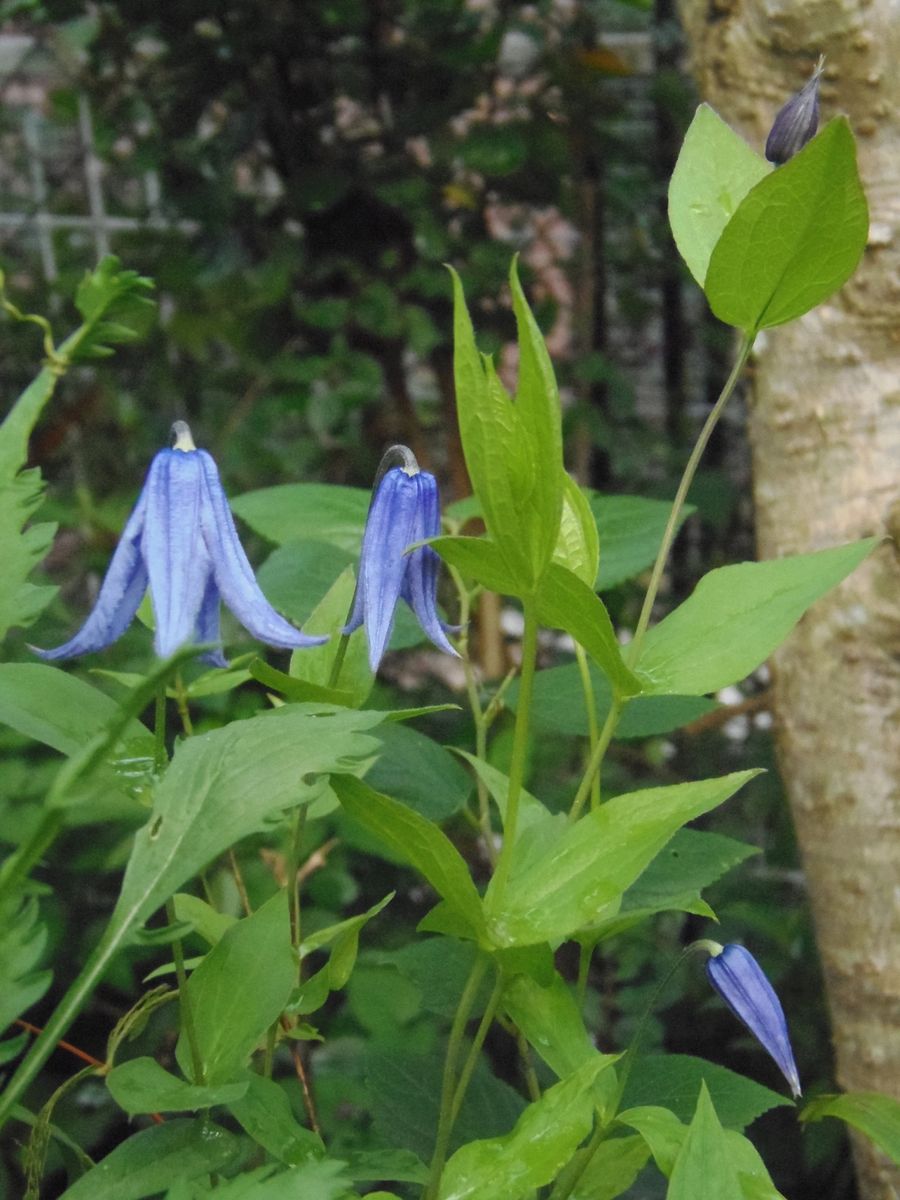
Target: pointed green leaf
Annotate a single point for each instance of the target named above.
(542, 1142)
(703, 1169)
(737, 616)
(314, 664)
(143, 1086)
(714, 172)
(149, 1162)
(874, 1114)
(239, 990)
(598, 857)
(578, 543)
(565, 602)
(293, 512)
(418, 842)
(613, 1168)
(796, 238)
(479, 558)
(673, 1080)
(264, 1112)
(631, 529)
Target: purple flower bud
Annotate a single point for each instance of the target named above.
(181, 541)
(739, 980)
(796, 122)
(405, 509)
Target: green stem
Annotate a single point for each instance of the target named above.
(293, 876)
(570, 1178)
(592, 770)
(338, 663)
(587, 688)
(530, 1075)
(184, 1000)
(586, 953)
(465, 1075)
(181, 701)
(519, 754)
(18, 866)
(448, 1086)
(478, 719)
(633, 651)
(159, 729)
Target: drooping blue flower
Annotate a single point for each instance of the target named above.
(405, 509)
(796, 121)
(181, 542)
(742, 984)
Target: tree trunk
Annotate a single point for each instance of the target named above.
(825, 432)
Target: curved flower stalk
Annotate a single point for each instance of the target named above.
(181, 542)
(405, 509)
(742, 984)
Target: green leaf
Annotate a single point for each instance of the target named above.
(551, 1022)
(405, 1091)
(559, 706)
(297, 575)
(737, 616)
(418, 842)
(202, 917)
(631, 530)
(314, 664)
(613, 1168)
(240, 988)
(400, 1166)
(703, 1169)
(660, 1129)
(317, 1179)
(57, 709)
(344, 940)
(596, 859)
(21, 494)
(565, 602)
(143, 1086)
(542, 1142)
(673, 1080)
(578, 542)
(674, 879)
(513, 449)
(874, 1114)
(23, 937)
(293, 512)
(481, 559)
(264, 1112)
(115, 308)
(797, 236)
(419, 772)
(150, 1161)
(714, 172)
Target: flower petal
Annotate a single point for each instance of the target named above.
(742, 984)
(390, 528)
(233, 574)
(208, 625)
(422, 565)
(174, 551)
(119, 597)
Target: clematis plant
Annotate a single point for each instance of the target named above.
(181, 542)
(405, 509)
(742, 984)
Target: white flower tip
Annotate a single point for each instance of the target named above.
(181, 432)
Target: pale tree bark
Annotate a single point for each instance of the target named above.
(825, 432)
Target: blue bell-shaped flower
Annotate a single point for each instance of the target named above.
(181, 542)
(742, 984)
(405, 509)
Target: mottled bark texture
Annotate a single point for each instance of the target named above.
(825, 431)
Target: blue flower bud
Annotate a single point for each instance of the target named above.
(740, 981)
(796, 122)
(181, 542)
(405, 509)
